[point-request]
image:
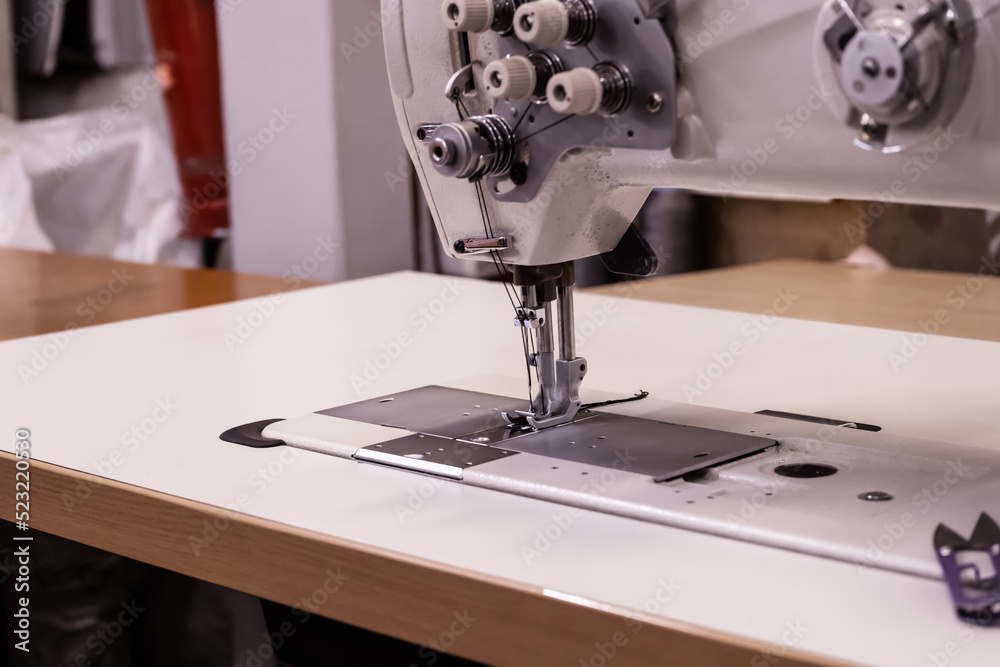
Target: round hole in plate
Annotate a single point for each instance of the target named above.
(696, 475)
(602, 437)
(466, 414)
(387, 400)
(701, 456)
(440, 449)
(805, 470)
(690, 502)
(555, 467)
(584, 473)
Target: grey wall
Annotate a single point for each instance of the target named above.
(322, 176)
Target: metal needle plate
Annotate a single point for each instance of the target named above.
(663, 451)
(658, 449)
(437, 456)
(440, 411)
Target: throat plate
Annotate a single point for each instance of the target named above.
(661, 450)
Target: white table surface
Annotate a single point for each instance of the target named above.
(302, 357)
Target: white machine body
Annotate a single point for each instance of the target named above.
(761, 107)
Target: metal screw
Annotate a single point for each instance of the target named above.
(875, 496)
(870, 67)
(654, 103)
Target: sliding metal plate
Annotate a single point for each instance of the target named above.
(658, 449)
(432, 455)
(440, 411)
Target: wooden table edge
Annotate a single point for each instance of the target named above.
(388, 592)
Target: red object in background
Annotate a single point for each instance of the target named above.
(187, 63)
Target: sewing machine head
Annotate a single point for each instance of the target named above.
(539, 128)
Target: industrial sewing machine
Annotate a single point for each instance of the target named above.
(538, 130)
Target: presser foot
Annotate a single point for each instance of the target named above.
(560, 372)
(558, 403)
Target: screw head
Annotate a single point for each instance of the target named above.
(870, 67)
(654, 103)
(875, 496)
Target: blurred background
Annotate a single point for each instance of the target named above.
(260, 137)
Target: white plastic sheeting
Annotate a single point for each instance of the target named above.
(18, 222)
(103, 182)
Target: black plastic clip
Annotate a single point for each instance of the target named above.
(252, 435)
(976, 594)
